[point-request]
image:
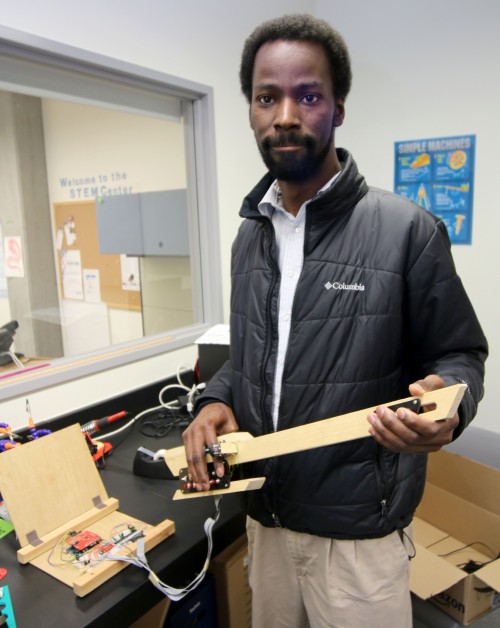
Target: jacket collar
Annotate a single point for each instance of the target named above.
(349, 187)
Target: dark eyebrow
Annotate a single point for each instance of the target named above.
(265, 85)
(310, 85)
(304, 86)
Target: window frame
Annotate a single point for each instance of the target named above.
(34, 65)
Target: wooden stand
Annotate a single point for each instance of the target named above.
(51, 487)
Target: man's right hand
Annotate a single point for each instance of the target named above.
(214, 419)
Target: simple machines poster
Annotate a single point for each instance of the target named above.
(438, 175)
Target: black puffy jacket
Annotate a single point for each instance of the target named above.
(378, 305)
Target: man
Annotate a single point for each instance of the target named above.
(343, 297)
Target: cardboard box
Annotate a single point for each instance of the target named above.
(457, 525)
(155, 617)
(234, 596)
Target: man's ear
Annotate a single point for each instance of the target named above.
(338, 117)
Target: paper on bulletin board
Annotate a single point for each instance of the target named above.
(91, 285)
(71, 270)
(70, 231)
(130, 273)
(13, 256)
(438, 175)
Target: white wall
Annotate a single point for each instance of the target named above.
(420, 70)
(430, 69)
(197, 40)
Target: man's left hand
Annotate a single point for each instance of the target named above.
(404, 431)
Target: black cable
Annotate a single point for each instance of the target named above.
(460, 549)
(410, 541)
(159, 424)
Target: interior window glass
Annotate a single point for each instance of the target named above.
(104, 189)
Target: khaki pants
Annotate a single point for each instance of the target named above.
(304, 581)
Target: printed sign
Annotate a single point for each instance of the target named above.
(13, 257)
(438, 175)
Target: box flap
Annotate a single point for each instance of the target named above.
(474, 482)
(427, 534)
(430, 574)
(459, 518)
(490, 575)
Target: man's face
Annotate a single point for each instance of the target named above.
(293, 111)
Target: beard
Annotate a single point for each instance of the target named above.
(290, 166)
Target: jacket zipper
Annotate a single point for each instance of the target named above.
(276, 520)
(269, 329)
(381, 481)
(269, 333)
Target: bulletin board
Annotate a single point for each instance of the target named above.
(83, 272)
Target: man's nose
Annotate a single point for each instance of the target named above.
(287, 114)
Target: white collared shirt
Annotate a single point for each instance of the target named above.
(289, 231)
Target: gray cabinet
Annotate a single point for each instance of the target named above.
(150, 223)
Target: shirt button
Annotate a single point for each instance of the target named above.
(298, 230)
(286, 317)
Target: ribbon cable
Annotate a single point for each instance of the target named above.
(140, 560)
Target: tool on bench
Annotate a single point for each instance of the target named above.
(6, 611)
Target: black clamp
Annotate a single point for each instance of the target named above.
(215, 450)
(215, 481)
(413, 404)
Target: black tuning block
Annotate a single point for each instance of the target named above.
(215, 481)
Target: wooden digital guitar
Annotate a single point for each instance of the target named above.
(241, 447)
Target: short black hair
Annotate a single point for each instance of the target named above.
(299, 27)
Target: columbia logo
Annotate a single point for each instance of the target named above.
(337, 285)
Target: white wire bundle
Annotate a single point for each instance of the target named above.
(139, 560)
(172, 405)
